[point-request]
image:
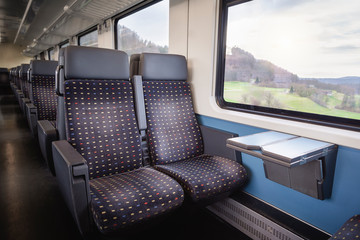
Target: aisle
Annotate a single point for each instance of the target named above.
(32, 207)
(30, 202)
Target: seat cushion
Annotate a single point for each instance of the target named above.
(350, 229)
(120, 200)
(206, 176)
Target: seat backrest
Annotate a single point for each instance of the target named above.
(17, 79)
(172, 129)
(99, 109)
(23, 79)
(42, 88)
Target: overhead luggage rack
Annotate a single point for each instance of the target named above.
(303, 164)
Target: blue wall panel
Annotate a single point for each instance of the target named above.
(328, 214)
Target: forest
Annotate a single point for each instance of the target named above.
(131, 42)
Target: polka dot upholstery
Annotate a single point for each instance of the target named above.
(25, 85)
(173, 132)
(125, 199)
(350, 230)
(206, 176)
(176, 146)
(101, 125)
(44, 96)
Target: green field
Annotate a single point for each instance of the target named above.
(247, 93)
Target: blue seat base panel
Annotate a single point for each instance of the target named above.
(350, 230)
(121, 200)
(206, 176)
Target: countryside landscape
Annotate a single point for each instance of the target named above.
(259, 82)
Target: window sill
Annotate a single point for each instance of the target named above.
(328, 134)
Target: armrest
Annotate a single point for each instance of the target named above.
(31, 114)
(23, 103)
(215, 143)
(47, 133)
(73, 179)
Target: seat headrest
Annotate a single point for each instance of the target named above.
(24, 68)
(95, 63)
(155, 66)
(43, 67)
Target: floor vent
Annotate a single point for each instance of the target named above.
(249, 222)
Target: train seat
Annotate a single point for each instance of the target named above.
(175, 140)
(99, 166)
(18, 93)
(349, 230)
(42, 93)
(12, 79)
(24, 87)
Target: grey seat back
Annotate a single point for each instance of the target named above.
(100, 120)
(173, 132)
(42, 88)
(23, 79)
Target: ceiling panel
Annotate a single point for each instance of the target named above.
(49, 22)
(70, 18)
(11, 12)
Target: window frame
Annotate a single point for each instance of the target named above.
(49, 52)
(324, 120)
(138, 7)
(87, 31)
(63, 43)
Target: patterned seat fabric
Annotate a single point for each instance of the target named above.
(176, 146)
(101, 126)
(173, 132)
(105, 133)
(123, 200)
(350, 230)
(23, 79)
(44, 97)
(206, 176)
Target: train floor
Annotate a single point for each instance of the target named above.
(31, 206)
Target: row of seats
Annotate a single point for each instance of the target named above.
(123, 151)
(33, 85)
(4, 80)
(126, 146)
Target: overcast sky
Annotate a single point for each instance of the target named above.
(310, 38)
(151, 23)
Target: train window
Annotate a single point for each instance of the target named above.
(288, 59)
(42, 56)
(146, 30)
(51, 54)
(64, 44)
(89, 38)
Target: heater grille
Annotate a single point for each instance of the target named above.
(249, 222)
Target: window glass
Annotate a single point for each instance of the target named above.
(64, 45)
(145, 31)
(291, 58)
(89, 39)
(51, 54)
